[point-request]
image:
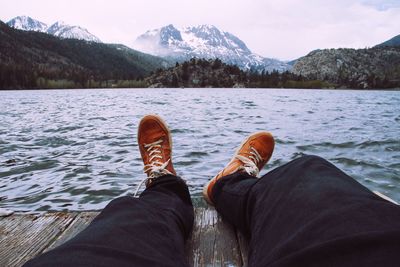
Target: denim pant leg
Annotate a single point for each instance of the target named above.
(309, 213)
(147, 231)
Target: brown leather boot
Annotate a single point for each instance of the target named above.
(155, 145)
(250, 157)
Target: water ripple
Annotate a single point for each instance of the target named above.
(77, 150)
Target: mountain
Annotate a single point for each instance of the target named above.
(62, 30)
(27, 24)
(395, 41)
(204, 41)
(377, 67)
(31, 59)
(59, 29)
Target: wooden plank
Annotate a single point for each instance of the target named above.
(24, 236)
(244, 248)
(80, 222)
(213, 242)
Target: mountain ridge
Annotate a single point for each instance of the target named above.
(393, 42)
(203, 41)
(377, 67)
(58, 29)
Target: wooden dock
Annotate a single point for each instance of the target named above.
(23, 236)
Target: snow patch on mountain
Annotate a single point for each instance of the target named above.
(63, 30)
(204, 41)
(59, 29)
(27, 24)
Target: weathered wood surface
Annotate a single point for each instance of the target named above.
(213, 242)
(23, 236)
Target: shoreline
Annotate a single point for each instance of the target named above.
(191, 88)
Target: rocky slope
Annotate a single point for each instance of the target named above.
(204, 41)
(59, 29)
(363, 68)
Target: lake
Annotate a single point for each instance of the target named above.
(77, 149)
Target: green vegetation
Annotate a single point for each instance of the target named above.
(66, 84)
(215, 73)
(284, 80)
(198, 73)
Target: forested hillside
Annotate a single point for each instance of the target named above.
(38, 60)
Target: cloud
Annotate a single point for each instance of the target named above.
(382, 5)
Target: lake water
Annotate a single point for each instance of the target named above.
(77, 149)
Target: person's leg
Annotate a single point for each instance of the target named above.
(145, 231)
(309, 213)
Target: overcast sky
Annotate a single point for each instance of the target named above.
(283, 29)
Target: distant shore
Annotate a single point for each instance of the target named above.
(191, 88)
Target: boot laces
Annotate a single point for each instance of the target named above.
(155, 168)
(250, 162)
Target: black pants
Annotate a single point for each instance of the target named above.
(305, 213)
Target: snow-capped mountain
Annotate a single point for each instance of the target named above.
(27, 24)
(59, 29)
(204, 41)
